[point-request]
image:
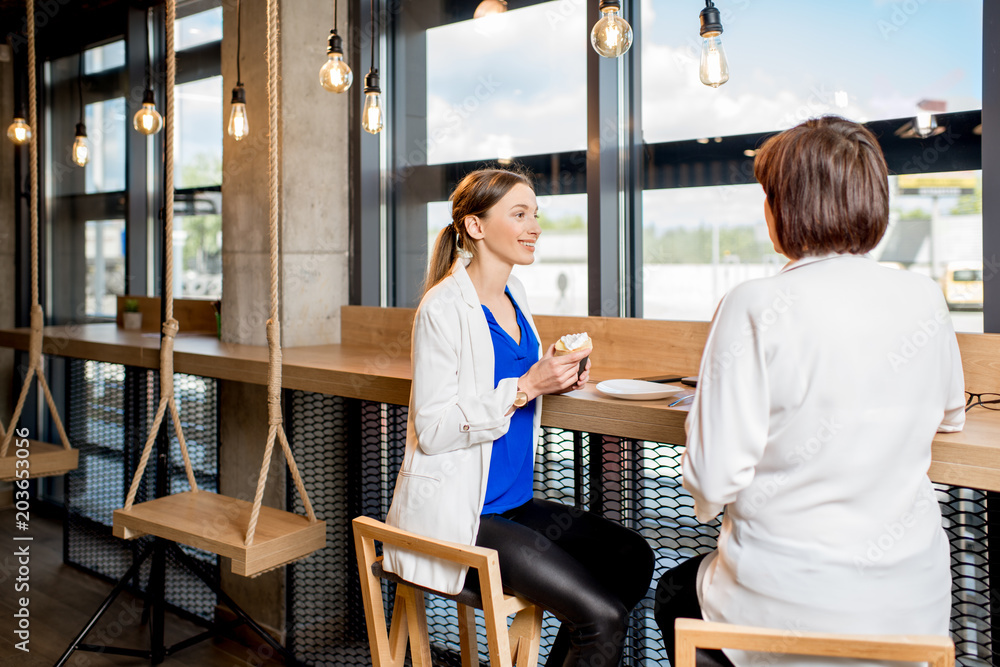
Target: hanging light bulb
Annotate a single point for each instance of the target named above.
(19, 132)
(714, 69)
(238, 125)
(487, 7)
(81, 146)
(147, 120)
(925, 124)
(612, 35)
(372, 115)
(335, 75)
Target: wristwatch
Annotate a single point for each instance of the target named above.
(520, 399)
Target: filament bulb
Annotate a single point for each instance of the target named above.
(335, 75)
(239, 127)
(714, 69)
(372, 116)
(147, 120)
(81, 146)
(612, 35)
(19, 132)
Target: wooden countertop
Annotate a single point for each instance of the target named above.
(381, 373)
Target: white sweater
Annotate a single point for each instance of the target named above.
(819, 394)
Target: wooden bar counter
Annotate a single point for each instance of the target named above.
(379, 370)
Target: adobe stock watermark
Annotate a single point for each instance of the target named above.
(900, 14)
(876, 549)
(22, 548)
(910, 346)
(780, 305)
(804, 452)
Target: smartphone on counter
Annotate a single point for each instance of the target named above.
(669, 377)
(691, 381)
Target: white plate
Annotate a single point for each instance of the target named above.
(636, 390)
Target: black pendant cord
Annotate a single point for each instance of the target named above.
(79, 85)
(335, 15)
(149, 79)
(374, 37)
(239, 39)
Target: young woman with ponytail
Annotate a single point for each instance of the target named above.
(473, 426)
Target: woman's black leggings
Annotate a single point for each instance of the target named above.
(588, 571)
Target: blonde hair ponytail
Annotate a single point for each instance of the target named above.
(474, 195)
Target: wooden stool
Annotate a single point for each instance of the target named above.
(517, 647)
(693, 634)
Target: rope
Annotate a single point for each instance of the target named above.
(275, 428)
(35, 368)
(170, 325)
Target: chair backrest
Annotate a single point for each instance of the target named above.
(693, 634)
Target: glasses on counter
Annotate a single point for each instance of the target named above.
(988, 401)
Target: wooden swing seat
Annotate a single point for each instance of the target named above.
(45, 459)
(217, 524)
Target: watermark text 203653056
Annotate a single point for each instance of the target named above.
(22, 550)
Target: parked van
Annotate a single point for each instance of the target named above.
(963, 285)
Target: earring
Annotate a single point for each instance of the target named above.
(459, 250)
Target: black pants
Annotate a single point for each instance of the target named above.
(588, 571)
(677, 597)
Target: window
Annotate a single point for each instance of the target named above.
(494, 91)
(703, 223)
(105, 253)
(198, 29)
(199, 107)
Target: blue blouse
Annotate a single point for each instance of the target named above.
(512, 466)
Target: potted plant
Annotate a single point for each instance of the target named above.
(132, 318)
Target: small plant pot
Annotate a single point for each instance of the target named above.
(132, 321)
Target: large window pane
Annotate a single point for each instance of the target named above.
(105, 253)
(698, 243)
(863, 59)
(198, 140)
(106, 132)
(557, 280)
(198, 29)
(104, 57)
(936, 229)
(198, 245)
(508, 84)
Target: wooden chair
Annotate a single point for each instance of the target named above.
(693, 634)
(517, 647)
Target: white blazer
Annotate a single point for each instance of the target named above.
(455, 415)
(819, 394)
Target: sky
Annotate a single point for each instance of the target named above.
(787, 62)
(515, 83)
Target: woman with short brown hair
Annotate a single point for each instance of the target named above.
(819, 394)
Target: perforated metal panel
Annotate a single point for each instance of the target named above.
(350, 452)
(110, 410)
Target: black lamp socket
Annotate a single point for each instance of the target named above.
(711, 21)
(239, 95)
(335, 44)
(371, 82)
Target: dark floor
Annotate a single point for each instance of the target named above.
(62, 599)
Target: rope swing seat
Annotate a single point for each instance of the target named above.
(43, 459)
(255, 538)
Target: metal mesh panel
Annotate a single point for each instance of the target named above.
(110, 409)
(963, 512)
(324, 608)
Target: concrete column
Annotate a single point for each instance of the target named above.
(313, 236)
(8, 247)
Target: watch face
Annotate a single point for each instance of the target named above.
(520, 399)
